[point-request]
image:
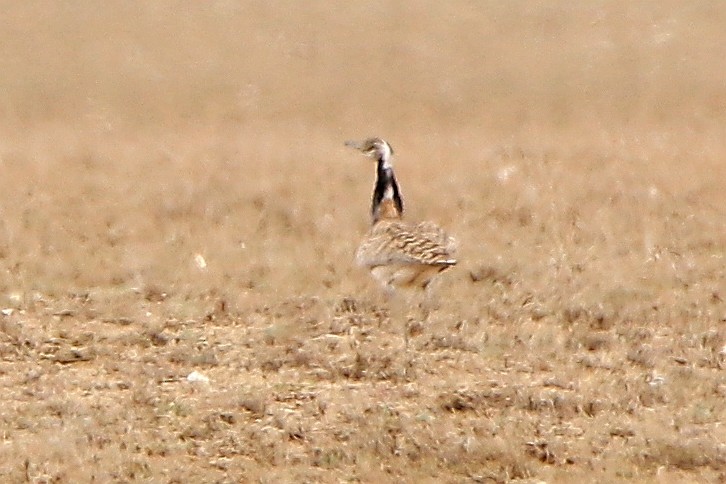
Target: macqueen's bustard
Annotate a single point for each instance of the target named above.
(398, 254)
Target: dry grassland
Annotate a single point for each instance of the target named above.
(175, 198)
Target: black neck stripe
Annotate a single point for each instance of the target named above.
(385, 179)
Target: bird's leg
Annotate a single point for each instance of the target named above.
(414, 324)
(399, 304)
(427, 304)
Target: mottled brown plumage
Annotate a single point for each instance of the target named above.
(402, 255)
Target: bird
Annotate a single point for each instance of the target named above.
(399, 255)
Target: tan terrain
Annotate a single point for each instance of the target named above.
(179, 219)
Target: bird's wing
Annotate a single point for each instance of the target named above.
(397, 243)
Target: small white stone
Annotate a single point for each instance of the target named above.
(196, 377)
(7, 311)
(655, 380)
(200, 262)
(505, 173)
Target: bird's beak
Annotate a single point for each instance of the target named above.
(353, 144)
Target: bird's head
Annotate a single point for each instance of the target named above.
(375, 148)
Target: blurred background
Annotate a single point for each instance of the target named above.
(136, 135)
(501, 68)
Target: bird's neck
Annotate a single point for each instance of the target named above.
(387, 202)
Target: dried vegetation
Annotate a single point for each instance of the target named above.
(178, 218)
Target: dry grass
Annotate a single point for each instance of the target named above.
(175, 198)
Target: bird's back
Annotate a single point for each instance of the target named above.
(402, 255)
